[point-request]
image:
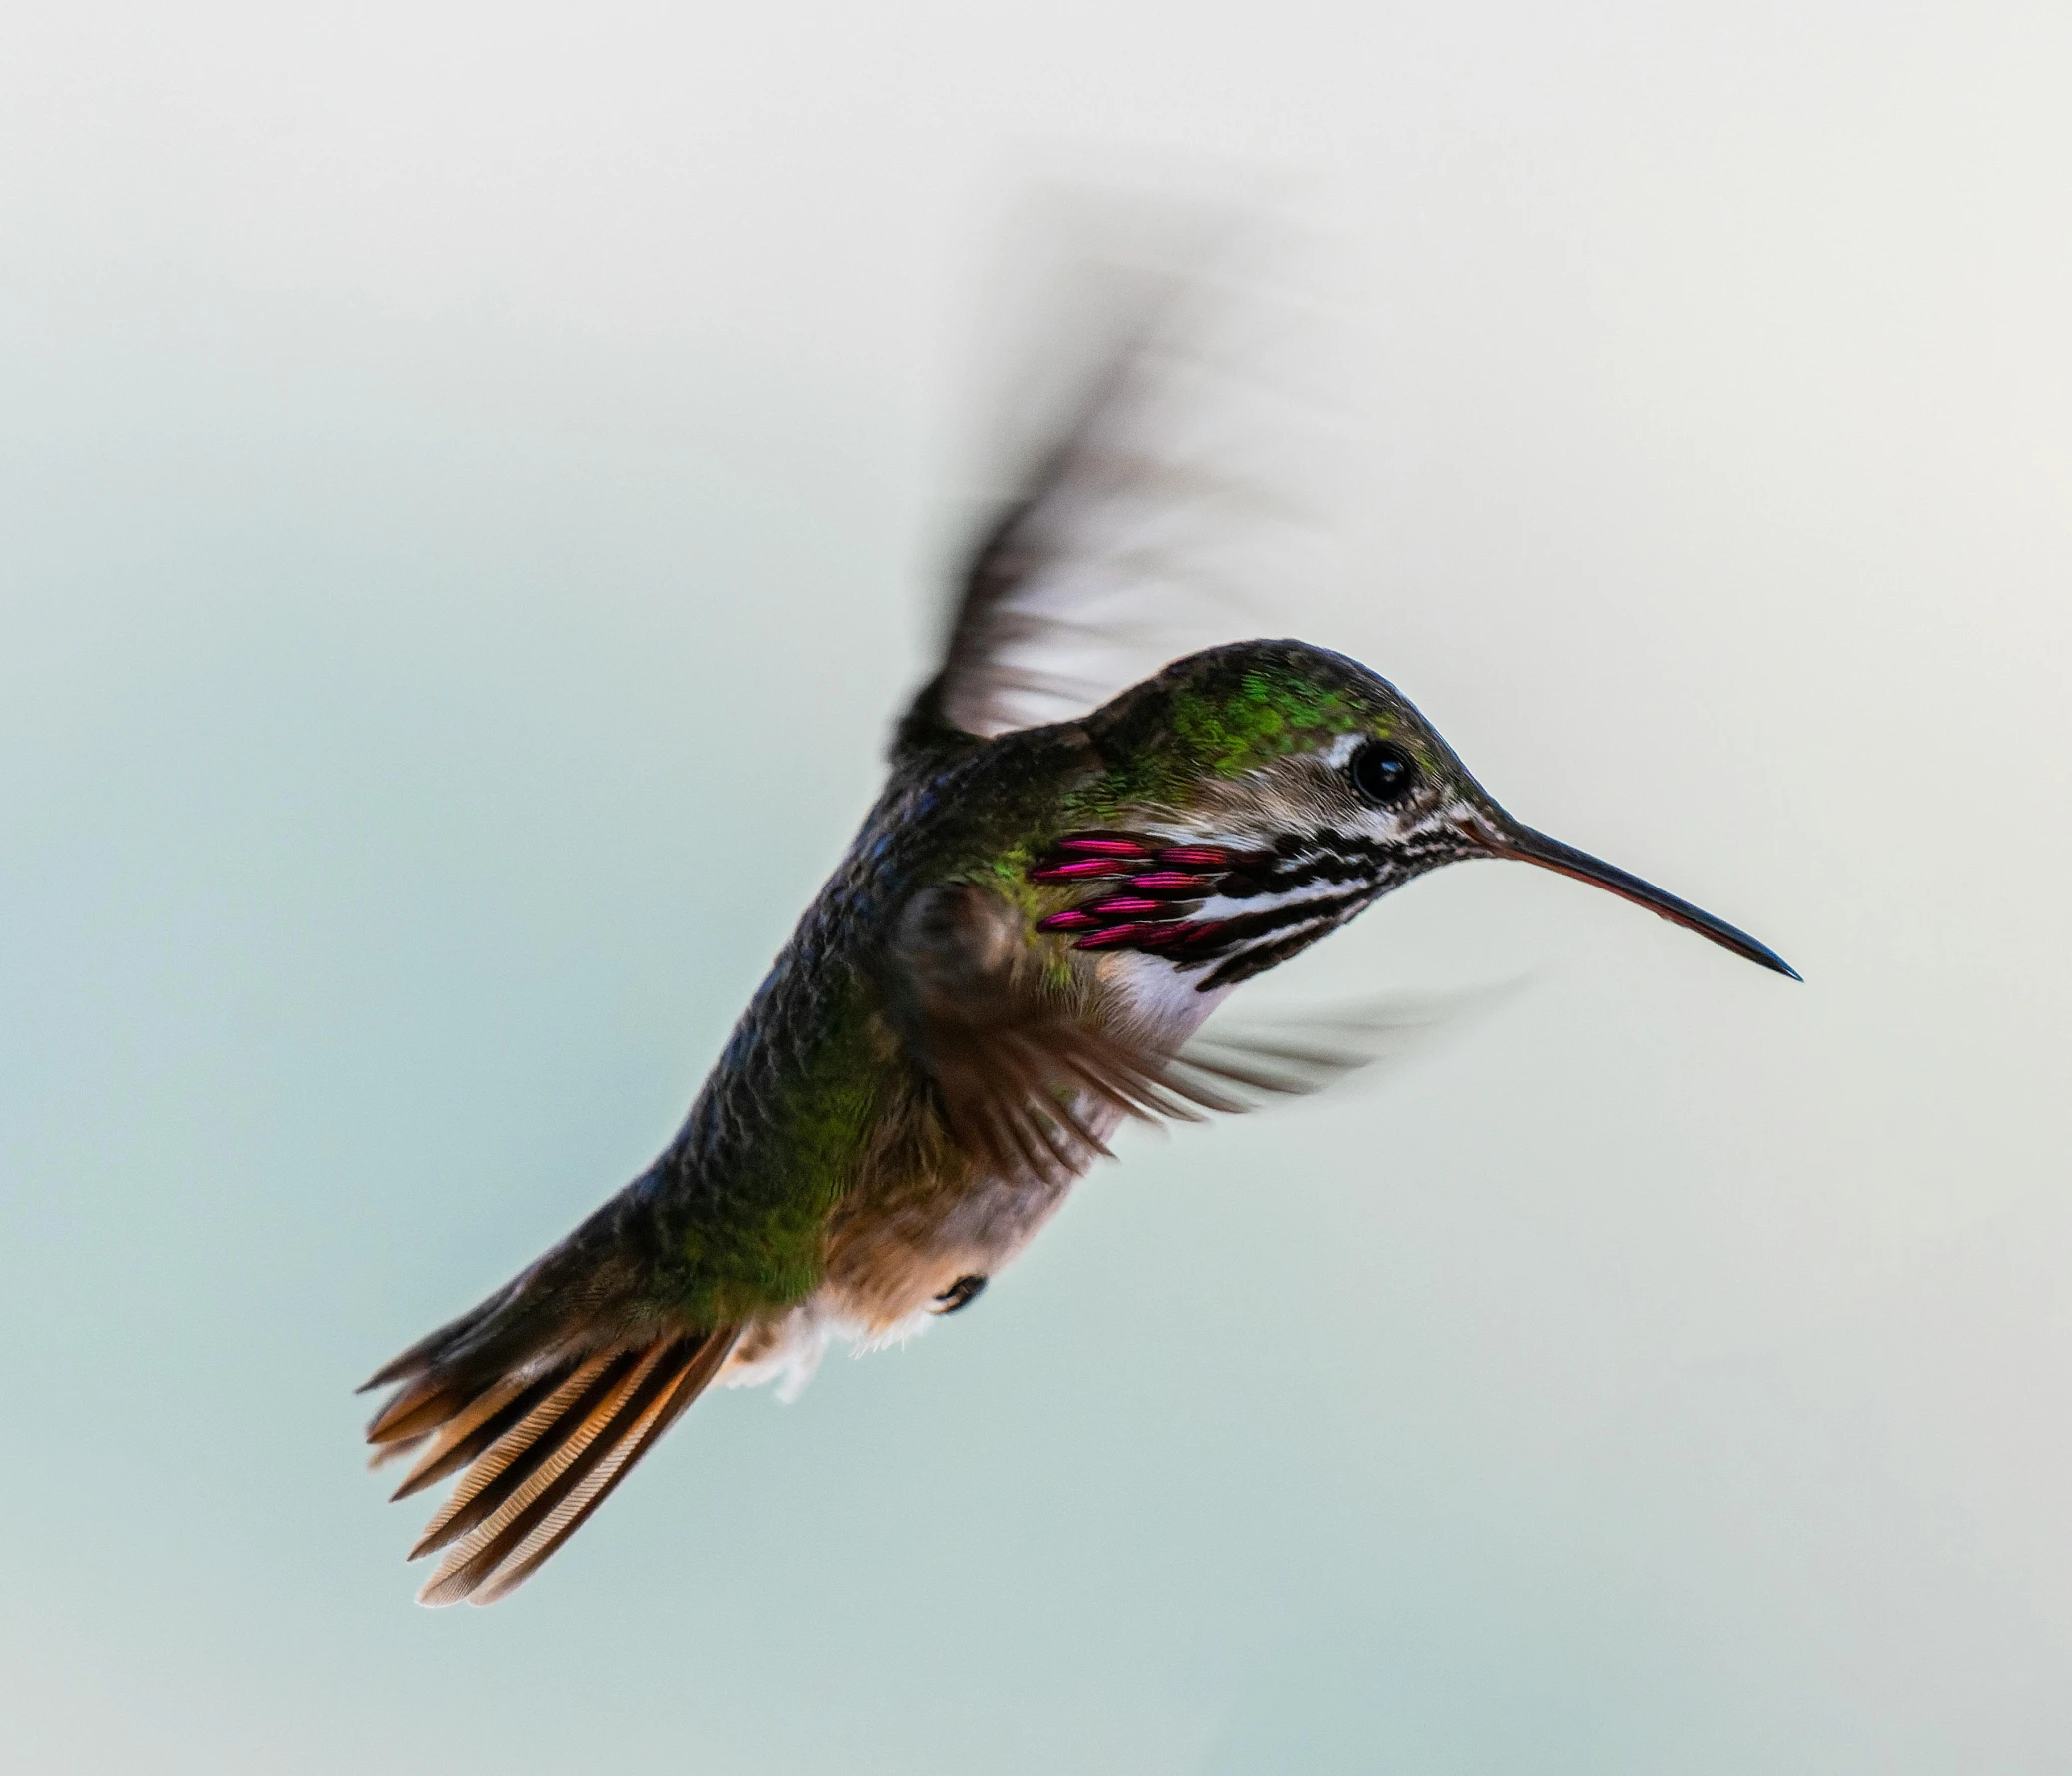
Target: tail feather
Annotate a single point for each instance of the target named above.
(441, 1344)
(470, 1432)
(540, 1418)
(517, 1455)
(419, 1409)
(595, 1442)
(596, 1486)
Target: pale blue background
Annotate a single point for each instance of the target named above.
(472, 480)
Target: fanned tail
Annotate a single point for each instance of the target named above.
(538, 1433)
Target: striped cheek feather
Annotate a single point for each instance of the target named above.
(1219, 912)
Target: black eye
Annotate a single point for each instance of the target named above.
(1383, 773)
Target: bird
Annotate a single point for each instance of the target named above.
(1055, 891)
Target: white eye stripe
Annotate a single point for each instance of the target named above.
(1340, 752)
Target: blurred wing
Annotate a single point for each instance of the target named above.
(1180, 506)
(1028, 1076)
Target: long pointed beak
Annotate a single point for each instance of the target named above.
(1514, 841)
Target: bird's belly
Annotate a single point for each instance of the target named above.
(891, 1260)
(899, 1249)
(895, 1259)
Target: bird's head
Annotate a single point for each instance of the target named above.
(1256, 797)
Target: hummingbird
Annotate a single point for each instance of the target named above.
(1015, 956)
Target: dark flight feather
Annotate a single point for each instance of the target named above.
(1024, 1071)
(1180, 498)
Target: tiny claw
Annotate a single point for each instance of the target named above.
(959, 1295)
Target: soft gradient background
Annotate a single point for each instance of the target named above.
(473, 482)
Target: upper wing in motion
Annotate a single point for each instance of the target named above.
(1183, 495)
